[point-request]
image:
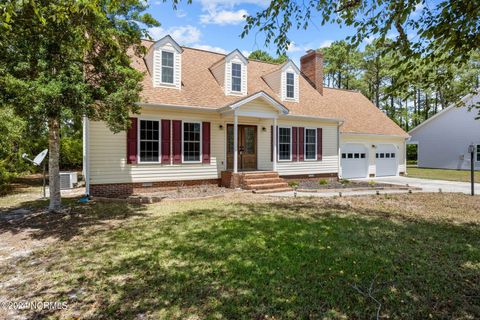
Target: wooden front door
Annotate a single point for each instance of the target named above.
(247, 147)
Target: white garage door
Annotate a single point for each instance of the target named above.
(354, 161)
(386, 160)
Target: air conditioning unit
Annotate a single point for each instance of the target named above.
(68, 180)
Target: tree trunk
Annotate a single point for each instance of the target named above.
(54, 164)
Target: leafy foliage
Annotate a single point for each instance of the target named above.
(266, 57)
(61, 60)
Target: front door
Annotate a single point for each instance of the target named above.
(247, 147)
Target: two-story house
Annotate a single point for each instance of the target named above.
(208, 118)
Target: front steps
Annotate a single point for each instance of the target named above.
(264, 182)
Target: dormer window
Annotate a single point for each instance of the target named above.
(164, 62)
(167, 67)
(290, 85)
(236, 77)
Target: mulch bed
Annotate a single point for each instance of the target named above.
(197, 192)
(315, 185)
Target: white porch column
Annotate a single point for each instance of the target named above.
(274, 152)
(235, 142)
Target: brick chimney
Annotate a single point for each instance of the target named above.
(311, 65)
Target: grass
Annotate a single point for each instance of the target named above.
(257, 258)
(442, 174)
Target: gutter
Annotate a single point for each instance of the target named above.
(177, 107)
(86, 158)
(299, 117)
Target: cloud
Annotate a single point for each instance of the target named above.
(180, 13)
(210, 48)
(182, 34)
(294, 48)
(214, 4)
(223, 17)
(326, 44)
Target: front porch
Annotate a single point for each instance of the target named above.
(257, 181)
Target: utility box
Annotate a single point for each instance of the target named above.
(68, 180)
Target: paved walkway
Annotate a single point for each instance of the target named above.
(429, 185)
(426, 185)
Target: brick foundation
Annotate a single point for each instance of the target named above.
(123, 190)
(231, 180)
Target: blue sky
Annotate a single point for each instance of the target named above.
(217, 24)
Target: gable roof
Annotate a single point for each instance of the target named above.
(200, 89)
(465, 100)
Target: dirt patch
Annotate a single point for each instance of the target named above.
(342, 184)
(188, 192)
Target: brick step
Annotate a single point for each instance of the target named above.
(260, 175)
(251, 181)
(266, 186)
(272, 190)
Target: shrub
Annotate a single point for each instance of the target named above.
(344, 181)
(372, 183)
(293, 184)
(323, 182)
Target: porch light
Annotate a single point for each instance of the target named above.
(264, 129)
(374, 146)
(220, 127)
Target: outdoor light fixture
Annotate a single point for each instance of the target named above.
(374, 146)
(220, 127)
(264, 129)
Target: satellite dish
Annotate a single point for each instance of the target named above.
(39, 158)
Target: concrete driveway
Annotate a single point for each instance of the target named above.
(426, 185)
(429, 185)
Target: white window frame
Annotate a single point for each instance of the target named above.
(305, 144)
(278, 143)
(139, 160)
(161, 68)
(286, 85)
(231, 76)
(201, 142)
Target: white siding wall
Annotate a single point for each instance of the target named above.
(219, 73)
(443, 142)
(107, 151)
(368, 141)
(157, 66)
(274, 80)
(329, 162)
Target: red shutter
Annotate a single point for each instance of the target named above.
(301, 145)
(132, 141)
(294, 144)
(177, 141)
(166, 141)
(206, 142)
(319, 144)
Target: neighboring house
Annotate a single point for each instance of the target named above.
(208, 117)
(442, 141)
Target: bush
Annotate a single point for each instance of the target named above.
(71, 156)
(323, 182)
(293, 184)
(344, 181)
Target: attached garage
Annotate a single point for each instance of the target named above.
(354, 161)
(386, 160)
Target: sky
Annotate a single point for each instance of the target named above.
(216, 25)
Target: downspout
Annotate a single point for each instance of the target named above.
(338, 147)
(86, 158)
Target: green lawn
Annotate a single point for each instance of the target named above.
(442, 174)
(408, 256)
